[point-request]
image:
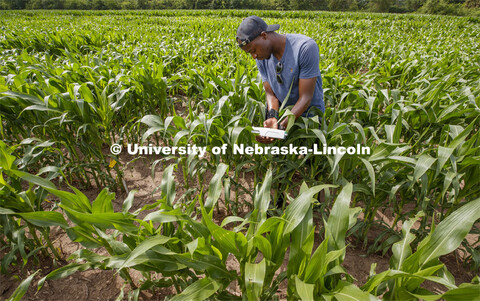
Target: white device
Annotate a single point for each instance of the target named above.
(268, 132)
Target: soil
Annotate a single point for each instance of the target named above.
(107, 285)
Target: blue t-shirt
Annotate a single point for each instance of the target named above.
(300, 60)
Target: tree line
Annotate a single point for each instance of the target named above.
(446, 7)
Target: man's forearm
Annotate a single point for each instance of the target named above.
(273, 103)
(271, 99)
(306, 88)
(301, 106)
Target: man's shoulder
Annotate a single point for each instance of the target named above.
(301, 43)
(296, 38)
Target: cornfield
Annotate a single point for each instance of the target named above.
(74, 83)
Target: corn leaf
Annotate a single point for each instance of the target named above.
(199, 290)
(229, 241)
(45, 218)
(447, 236)
(401, 249)
(22, 288)
(64, 272)
(304, 290)
(254, 277)
(143, 247)
(349, 292)
(215, 187)
(338, 221)
(296, 211)
(317, 265)
(103, 202)
(168, 185)
(443, 154)
(424, 163)
(128, 202)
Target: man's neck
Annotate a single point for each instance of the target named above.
(279, 42)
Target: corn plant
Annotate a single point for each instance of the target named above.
(25, 224)
(408, 270)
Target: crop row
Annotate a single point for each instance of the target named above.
(73, 83)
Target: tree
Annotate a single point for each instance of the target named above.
(281, 4)
(440, 7)
(127, 4)
(45, 4)
(308, 4)
(76, 4)
(380, 6)
(413, 5)
(472, 4)
(14, 4)
(339, 5)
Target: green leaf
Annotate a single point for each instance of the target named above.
(215, 187)
(301, 244)
(317, 265)
(401, 249)
(371, 173)
(350, 292)
(102, 220)
(42, 108)
(34, 179)
(262, 197)
(443, 154)
(296, 211)
(64, 272)
(228, 241)
(146, 245)
(424, 163)
(231, 219)
(199, 290)
(270, 224)
(45, 218)
(460, 138)
(446, 237)
(167, 216)
(6, 159)
(254, 277)
(212, 264)
(304, 290)
(103, 202)
(264, 246)
(22, 288)
(6, 211)
(338, 221)
(71, 201)
(466, 291)
(168, 185)
(128, 202)
(353, 216)
(389, 130)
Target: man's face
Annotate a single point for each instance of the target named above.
(259, 48)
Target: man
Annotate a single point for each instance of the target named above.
(286, 63)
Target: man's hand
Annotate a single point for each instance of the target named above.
(271, 123)
(283, 124)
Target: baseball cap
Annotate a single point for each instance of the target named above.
(251, 27)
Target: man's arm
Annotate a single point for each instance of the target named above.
(309, 71)
(306, 88)
(272, 103)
